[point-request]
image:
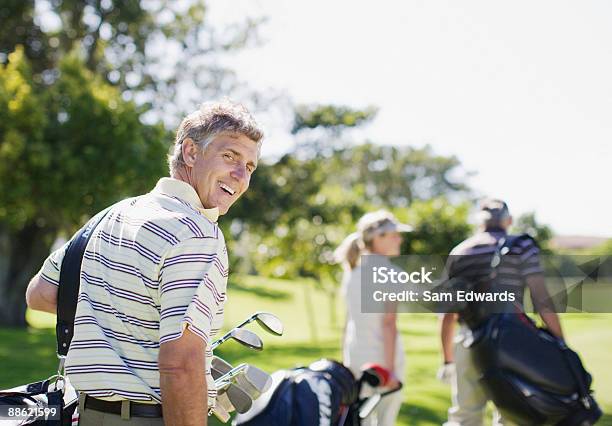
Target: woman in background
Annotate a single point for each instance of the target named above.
(372, 337)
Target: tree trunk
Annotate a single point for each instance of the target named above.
(21, 256)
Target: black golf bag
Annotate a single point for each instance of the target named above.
(532, 376)
(325, 393)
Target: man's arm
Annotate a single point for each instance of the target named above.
(183, 380)
(446, 372)
(544, 304)
(447, 333)
(41, 295)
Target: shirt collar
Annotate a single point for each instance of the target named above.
(496, 230)
(184, 191)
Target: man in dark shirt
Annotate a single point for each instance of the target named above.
(471, 260)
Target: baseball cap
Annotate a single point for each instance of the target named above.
(493, 210)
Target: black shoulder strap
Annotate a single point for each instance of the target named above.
(504, 245)
(70, 279)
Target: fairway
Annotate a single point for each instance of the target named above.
(312, 323)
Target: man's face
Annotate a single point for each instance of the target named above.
(222, 171)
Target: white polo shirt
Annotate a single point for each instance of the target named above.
(155, 264)
(363, 338)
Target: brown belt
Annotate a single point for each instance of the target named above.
(114, 407)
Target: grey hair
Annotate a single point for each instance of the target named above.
(212, 119)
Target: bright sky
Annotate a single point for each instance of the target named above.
(520, 91)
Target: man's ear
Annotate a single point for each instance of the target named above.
(190, 152)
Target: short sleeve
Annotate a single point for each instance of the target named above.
(50, 270)
(530, 258)
(193, 280)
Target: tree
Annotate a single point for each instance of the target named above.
(298, 210)
(76, 86)
(162, 53)
(438, 226)
(527, 223)
(65, 154)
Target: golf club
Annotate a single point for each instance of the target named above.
(368, 404)
(240, 399)
(269, 322)
(253, 380)
(227, 379)
(242, 336)
(219, 367)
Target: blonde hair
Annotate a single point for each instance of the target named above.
(368, 226)
(349, 250)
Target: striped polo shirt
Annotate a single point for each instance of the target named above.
(155, 264)
(471, 260)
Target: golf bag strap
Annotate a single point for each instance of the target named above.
(504, 245)
(68, 290)
(583, 389)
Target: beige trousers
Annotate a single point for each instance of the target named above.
(468, 397)
(89, 417)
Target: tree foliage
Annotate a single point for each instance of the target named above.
(65, 153)
(299, 209)
(77, 81)
(331, 117)
(68, 152)
(527, 223)
(155, 51)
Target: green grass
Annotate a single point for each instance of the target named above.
(312, 330)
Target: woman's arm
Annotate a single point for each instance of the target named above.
(389, 339)
(389, 325)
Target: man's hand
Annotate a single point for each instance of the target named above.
(41, 295)
(183, 380)
(446, 372)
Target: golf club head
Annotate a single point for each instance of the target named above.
(242, 336)
(220, 365)
(240, 399)
(269, 322)
(368, 405)
(254, 381)
(247, 338)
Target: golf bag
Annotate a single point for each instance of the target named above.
(53, 401)
(324, 393)
(531, 375)
(309, 396)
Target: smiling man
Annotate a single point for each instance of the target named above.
(153, 281)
